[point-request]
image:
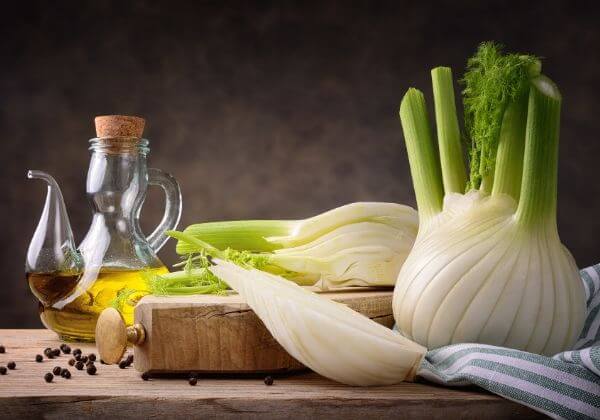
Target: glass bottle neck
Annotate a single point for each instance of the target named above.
(117, 181)
(117, 175)
(116, 186)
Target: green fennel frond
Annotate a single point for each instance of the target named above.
(123, 298)
(195, 278)
(491, 81)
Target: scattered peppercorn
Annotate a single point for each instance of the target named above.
(145, 376)
(268, 380)
(79, 365)
(48, 377)
(193, 381)
(11, 365)
(91, 370)
(2, 349)
(66, 349)
(92, 357)
(48, 353)
(72, 362)
(65, 374)
(39, 358)
(76, 351)
(84, 359)
(56, 371)
(3, 370)
(122, 364)
(56, 352)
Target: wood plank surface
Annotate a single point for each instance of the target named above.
(120, 393)
(212, 333)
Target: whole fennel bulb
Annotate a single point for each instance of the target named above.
(488, 265)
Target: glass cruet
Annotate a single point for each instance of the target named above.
(115, 257)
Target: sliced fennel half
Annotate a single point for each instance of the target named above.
(359, 244)
(328, 337)
(269, 235)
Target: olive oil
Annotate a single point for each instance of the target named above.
(71, 310)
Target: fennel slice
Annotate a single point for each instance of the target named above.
(328, 337)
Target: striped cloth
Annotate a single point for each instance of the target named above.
(564, 386)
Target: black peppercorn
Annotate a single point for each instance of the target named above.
(91, 370)
(72, 362)
(76, 352)
(47, 350)
(66, 349)
(122, 364)
(79, 365)
(92, 357)
(56, 352)
(145, 376)
(2, 349)
(65, 374)
(84, 359)
(56, 371)
(193, 380)
(77, 356)
(3, 370)
(268, 380)
(11, 365)
(39, 358)
(48, 377)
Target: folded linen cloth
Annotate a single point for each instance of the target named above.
(564, 386)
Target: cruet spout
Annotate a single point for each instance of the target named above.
(52, 248)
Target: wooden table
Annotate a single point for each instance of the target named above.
(121, 393)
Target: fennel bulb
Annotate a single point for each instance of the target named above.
(488, 265)
(328, 337)
(359, 244)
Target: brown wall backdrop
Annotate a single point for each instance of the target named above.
(264, 110)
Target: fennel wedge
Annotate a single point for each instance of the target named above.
(328, 337)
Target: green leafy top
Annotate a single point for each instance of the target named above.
(125, 296)
(491, 81)
(195, 278)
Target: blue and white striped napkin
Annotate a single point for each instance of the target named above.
(564, 386)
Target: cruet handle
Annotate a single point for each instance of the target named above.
(172, 206)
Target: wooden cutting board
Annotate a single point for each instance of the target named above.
(221, 334)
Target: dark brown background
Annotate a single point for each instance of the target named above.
(264, 109)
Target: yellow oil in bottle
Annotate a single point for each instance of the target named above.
(76, 320)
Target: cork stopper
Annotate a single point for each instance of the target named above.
(119, 126)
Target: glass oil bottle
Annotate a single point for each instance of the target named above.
(74, 285)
